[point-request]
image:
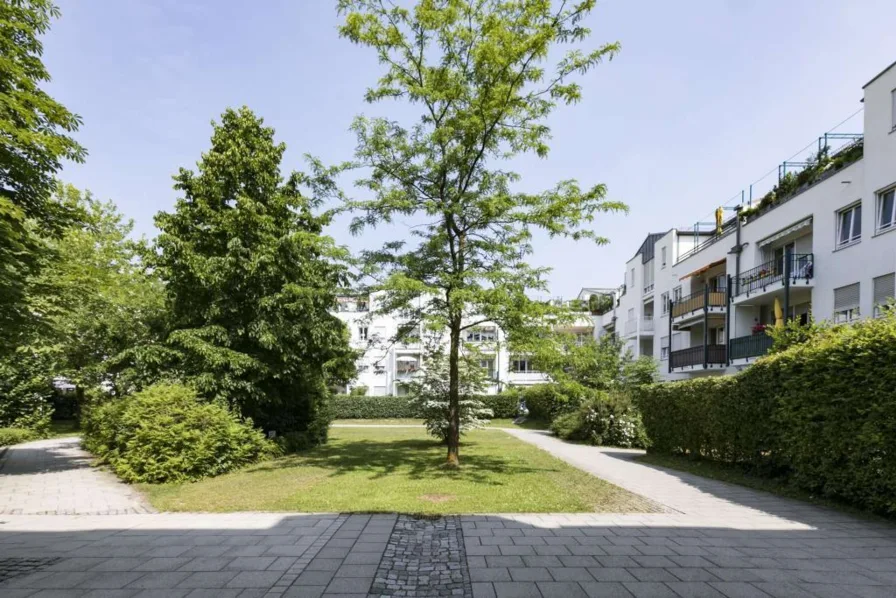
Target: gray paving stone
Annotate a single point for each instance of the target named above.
(483, 590)
(349, 585)
(360, 558)
(504, 561)
(558, 589)
(605, 590)
(315, 578)
(570, 574)
(577, 561)
(162, 564)
(208, 579)
(110, 579)
(610, 574)
(160, 579)
(650, 590)
(490, 574)
(206, 564)
(254, 579)
(318, 564)
(739, 589)
(512, 589)
(251, 563)
(304, 592)
(694, 589)
(692, 574)
(529, 574)
(652, 574)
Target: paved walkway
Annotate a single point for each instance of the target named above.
(55, 477)
(714, 540)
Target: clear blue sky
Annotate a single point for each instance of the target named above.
(706, 96)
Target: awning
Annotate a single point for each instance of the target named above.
(783, 233)
(406, 359)
(700, 271)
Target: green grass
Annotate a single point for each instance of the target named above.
(64, 427)
(734, 475)
(495, 423)
(401, 470)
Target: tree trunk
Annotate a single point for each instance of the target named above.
(454, 394)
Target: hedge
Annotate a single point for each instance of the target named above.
(503, 405)
(10, 436)
(821, 414)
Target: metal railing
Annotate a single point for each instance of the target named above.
(802, 266)
(693, 356)
(754, 345)
(697, 301)
(648, 288)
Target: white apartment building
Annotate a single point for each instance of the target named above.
(697, 300)
(385, 366)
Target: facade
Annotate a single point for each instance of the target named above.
(698, 300)
(385, 366)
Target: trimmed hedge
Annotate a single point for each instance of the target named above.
(821, 414)
(165, 434)
(383, 407)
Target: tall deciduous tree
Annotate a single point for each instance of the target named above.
(34, 139)
(251, 282)
(480, 73)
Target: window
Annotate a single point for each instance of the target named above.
(884, 291)
(481, 334)
(885, 206)
(664, 348)
(362, 333)
(633, 278)
(663, 256)
(521, 365)
(846, 303)
(676, 294)
(362, 304)
(402, 390)
(664, 299)
(489, 366)
(379, 391)
(849, 225)
(379, 369)
(648, 277)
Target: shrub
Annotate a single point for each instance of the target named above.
(608, 419)
(164, 434)
(546, 401)
(9, 436)
(504, 405)
(821, 414)
(352, 407)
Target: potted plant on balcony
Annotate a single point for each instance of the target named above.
(758, 328)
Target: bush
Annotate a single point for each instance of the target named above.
(353, 407)
(547, 401)
(10, 436)
(504, 405)
(165, 434)
(821, 414)
(607, 419)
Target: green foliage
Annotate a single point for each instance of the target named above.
(600, 364)
(482, 78)
(504, 405)
(430, 395)
(34, 140)
(371, 407)
(358, 391)
(10, 436)
(24, 391)
(165, 434)
(794, 333)
(820, 413)
(600, 304)
(606, 419)
(250, 282)
(547, 401)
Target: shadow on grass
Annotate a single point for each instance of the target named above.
(416, 459)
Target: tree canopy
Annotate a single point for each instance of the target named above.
(482, 76)
(251, 282)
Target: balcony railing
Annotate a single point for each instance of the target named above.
(648, 288)
(639, 325)
(693, 356)
(754, 345)
(697, 301)
(802, 266)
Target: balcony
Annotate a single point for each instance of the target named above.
(648, 289)
(769, 277)
(693, 306)
(642, 326)
(746, 348)
(692, 358)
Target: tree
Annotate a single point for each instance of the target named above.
(475, 71)
(251, 281)
(34, 139)
(431, 390)
(600, 364)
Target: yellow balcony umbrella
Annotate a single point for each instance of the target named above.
(779, 314)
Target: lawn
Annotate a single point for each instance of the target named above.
(400, 470)
(60, 428)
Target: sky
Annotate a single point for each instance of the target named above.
(705, 97)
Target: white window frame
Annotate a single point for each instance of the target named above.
(488, 364)
(676, 293)
(663, 256)
(363, 332)
(879, 207)
(664, 349)
(850, 313)
(518, 360)
(893, 110)
(664, 299)
(482, 334)
(853, 237)
(880, 308)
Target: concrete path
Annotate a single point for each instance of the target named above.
(55, 477)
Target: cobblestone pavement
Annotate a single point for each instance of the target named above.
(424, 557)
(55, 477)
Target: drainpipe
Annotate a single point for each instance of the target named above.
(669, 360)
(788, 257)
(728, 320)
(737, 249)
(705, 326)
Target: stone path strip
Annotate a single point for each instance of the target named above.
(55, 477)
(424, 557)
